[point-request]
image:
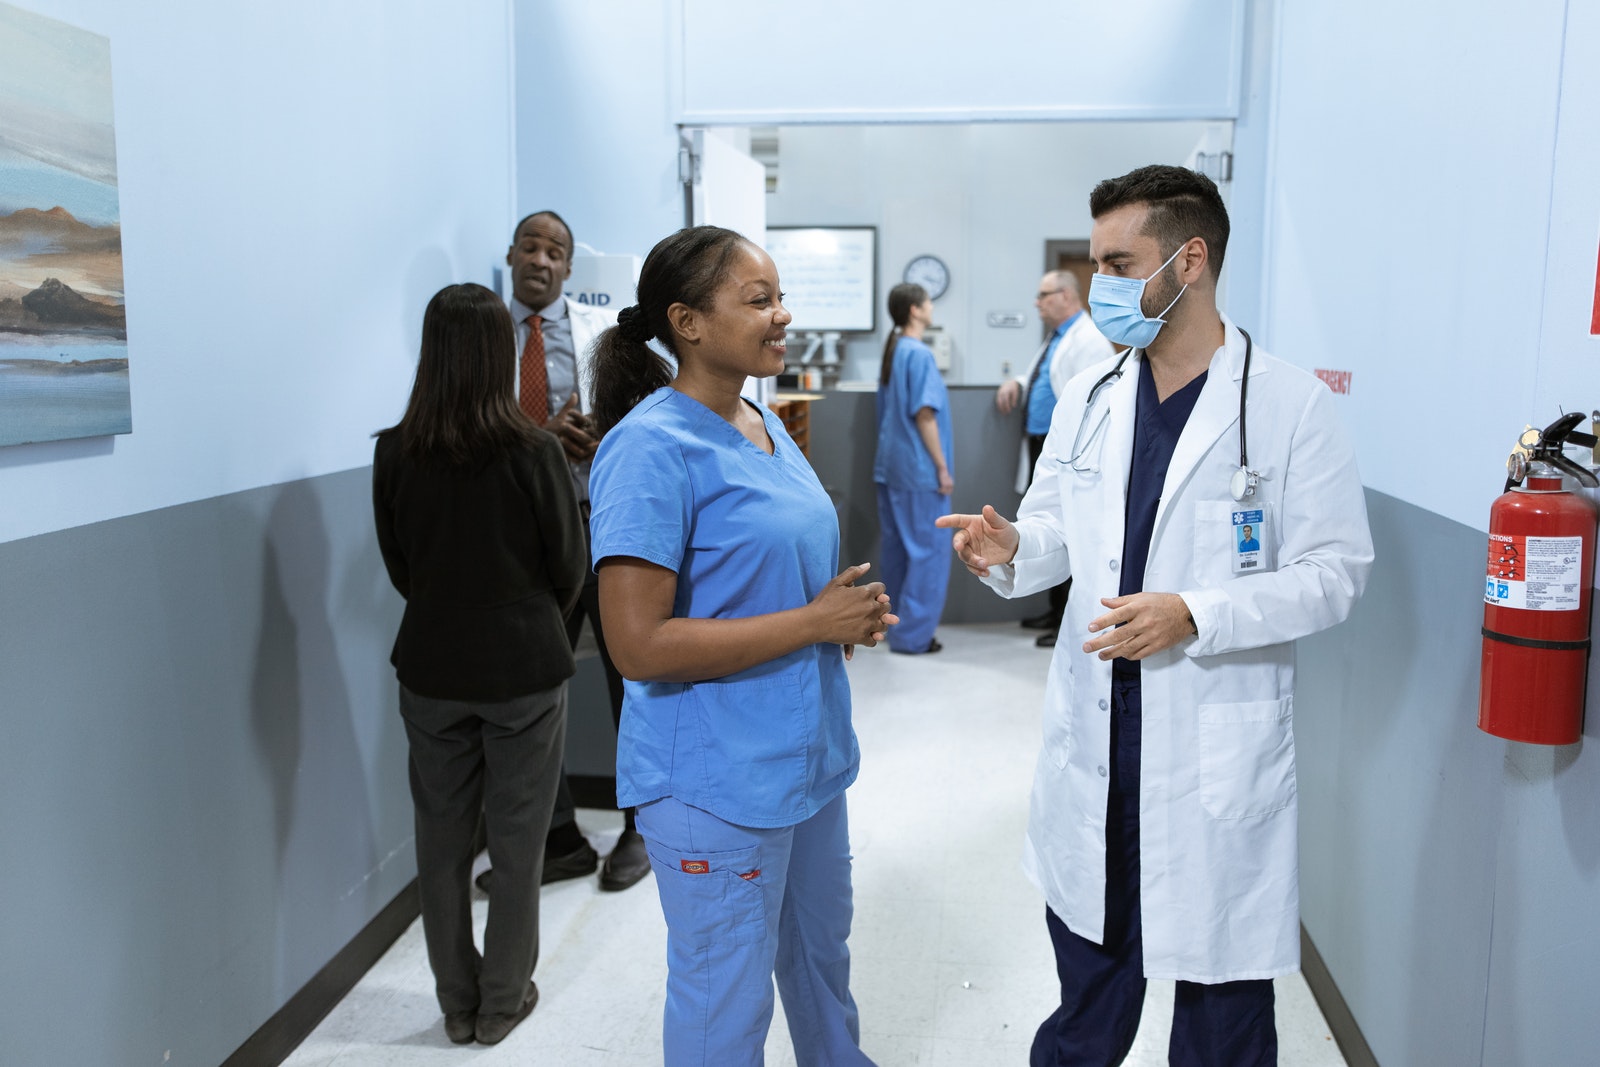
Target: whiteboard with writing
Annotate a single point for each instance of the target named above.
(829, 275)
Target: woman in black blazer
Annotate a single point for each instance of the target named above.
(478, 523)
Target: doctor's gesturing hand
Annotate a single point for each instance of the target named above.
(982, 541)
(1140, 625)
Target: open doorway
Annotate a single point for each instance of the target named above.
(1071, 256)
(981, 199)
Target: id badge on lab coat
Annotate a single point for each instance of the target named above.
(1249, 535)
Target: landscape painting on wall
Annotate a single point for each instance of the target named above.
(63, 328)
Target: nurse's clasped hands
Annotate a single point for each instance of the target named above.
(982, 541)
(848, 614)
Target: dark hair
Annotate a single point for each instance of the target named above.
(902, 298)
(462, 408)
(544, 215)
(1183, 204)
(685, 268)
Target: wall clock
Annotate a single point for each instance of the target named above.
(930, 273)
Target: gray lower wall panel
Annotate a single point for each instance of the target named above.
(1451, 880)
(203, 775)
(202, 778)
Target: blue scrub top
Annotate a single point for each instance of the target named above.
(747, 534)
(914, 383)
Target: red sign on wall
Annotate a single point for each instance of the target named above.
(1338, 380)
(1594, 316)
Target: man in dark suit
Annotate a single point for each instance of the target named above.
(554, 333)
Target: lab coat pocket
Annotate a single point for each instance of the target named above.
(711, 898)
(1247, 758)
(1058, 711)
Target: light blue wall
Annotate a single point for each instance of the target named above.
(597, 138)
(1431, 223)
(296, 180)
(1409, 223)
(202, 774)
(944, 61)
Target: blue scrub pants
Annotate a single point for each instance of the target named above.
(915, 558)
(741, 903)
(1229, 1024)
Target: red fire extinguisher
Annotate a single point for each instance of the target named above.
(1536, 597)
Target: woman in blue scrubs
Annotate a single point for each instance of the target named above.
(717, 550)
(912, 472)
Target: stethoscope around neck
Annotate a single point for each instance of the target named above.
(1244, 481)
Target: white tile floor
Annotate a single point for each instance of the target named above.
(952, 963)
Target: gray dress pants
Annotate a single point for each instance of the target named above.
(504, 760)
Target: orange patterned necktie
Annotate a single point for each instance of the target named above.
(534, 389)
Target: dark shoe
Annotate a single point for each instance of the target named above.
(1047, 621)
(492, 1029)
(460, 1026)
(627, 863)
(1046, 640)
(933, 646)
(578, 863)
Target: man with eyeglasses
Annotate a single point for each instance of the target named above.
(1073, 344)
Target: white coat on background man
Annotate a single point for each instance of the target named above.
(1080, 347)
(587, 324)
(1219, 853)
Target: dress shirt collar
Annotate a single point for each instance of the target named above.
(555, 311)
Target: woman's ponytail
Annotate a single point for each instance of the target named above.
(902, 298)
(684, 268)
(624, 369)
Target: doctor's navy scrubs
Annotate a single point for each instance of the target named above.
(1103, 984)
(739, 781)
(916, 555)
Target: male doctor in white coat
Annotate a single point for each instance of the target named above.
(1163, 823)
(554, 334)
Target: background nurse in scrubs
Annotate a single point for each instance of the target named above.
(717, 550)
(912, 472)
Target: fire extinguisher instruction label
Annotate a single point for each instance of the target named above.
(1534, 573)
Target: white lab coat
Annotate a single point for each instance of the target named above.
(1217, 797)
(587, 325)
(1081, 347)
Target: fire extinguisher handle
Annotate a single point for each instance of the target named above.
(1584, 475)
(1563, 429)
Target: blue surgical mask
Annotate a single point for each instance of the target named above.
(1116, 306)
